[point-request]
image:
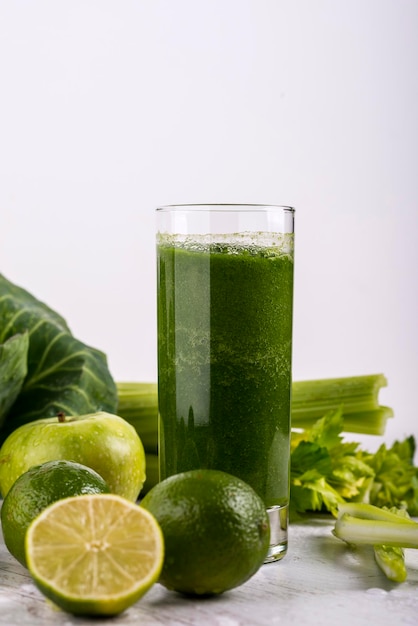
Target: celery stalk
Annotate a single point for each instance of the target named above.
(363, 510)
(391, 561)
(373, 532)
(138, 404)
(388, 531)
(358, 396)
(311, 399)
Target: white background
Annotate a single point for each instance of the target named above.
(109, 108)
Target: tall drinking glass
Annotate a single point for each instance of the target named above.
(225, 299)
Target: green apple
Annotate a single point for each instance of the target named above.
(106, 443)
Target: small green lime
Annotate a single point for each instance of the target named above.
(37, 488)
(216, 531)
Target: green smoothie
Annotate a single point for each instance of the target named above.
(224, 358)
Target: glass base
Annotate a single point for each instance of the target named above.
(279, 521)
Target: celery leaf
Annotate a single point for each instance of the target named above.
(396, 477)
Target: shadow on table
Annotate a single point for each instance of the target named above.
(166, 598)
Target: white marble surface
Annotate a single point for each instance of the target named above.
(319, 582)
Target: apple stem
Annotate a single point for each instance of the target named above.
(61, 416)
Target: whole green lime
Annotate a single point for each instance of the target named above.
(36, 489)
(216, 531)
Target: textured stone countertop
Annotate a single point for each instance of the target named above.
(319, 582)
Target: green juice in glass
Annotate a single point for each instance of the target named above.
(224, 358)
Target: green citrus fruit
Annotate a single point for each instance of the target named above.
(105, 442)
(94, 554)
(216, 531)
(37, 488)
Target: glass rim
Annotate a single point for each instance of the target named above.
(224, 207)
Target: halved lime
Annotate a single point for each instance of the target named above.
(94, 554)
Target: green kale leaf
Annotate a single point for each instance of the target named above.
(13, 370)
(54, 372)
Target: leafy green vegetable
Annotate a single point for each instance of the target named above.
(13, 370)
(396, 478)
(311, 489)
(44, 369)
(326, 471)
